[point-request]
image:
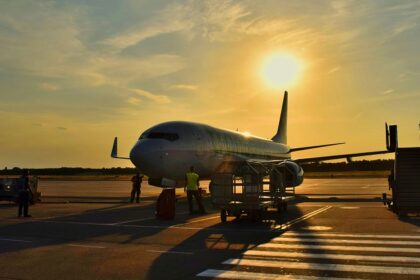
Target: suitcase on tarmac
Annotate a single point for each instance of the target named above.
(165, 205)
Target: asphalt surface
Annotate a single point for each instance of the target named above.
(336, 228)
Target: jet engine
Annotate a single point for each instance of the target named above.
(292, 173)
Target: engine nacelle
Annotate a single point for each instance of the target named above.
(293, 173)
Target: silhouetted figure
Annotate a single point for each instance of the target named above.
(136, 190)
(192, 185)
(24, 194)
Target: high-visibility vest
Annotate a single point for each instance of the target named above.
(192, 181)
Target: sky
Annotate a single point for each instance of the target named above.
(75, 74)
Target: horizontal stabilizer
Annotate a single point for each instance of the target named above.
(114, 152)
(314, 147)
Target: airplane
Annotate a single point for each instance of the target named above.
(166, 151)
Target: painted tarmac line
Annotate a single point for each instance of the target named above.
(348, 241)
(76, 223)
(310, 185)
(302, 218)
(86, 246)
(160, 227)
(138, 220)
(244, 275)
(339, 248)
(331, 256)
(314, 234)
(15, 240)
(131, 221)
(323, 267)
(170, 252)
(179, 226)
(197, 221)
(136, 226)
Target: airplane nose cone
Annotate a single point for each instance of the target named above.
(135, 155)
(146, 157)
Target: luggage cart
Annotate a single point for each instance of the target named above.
(251, 189)
(404, 182)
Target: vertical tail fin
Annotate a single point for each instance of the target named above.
(281, 135)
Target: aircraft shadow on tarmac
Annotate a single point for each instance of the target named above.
(207, 247)
(220, 241)
(211, 244)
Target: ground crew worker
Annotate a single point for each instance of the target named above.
(136, 190)
(192, 185)
(24, 195)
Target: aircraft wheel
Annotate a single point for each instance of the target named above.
(223, 215)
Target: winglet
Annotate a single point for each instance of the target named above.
(281, 135)
(114, 152)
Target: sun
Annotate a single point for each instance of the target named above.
(280, 70)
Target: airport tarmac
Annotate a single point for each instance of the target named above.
(335, 229)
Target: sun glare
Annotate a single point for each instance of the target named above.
(280, 70)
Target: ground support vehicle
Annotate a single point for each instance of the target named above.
(404, 182)
(10, 188)
(251, 189)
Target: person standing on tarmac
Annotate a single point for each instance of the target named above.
(136, 190)
(24, 195)
(192, 185)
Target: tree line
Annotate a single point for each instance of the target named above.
(71, 171)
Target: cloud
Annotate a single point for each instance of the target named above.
(161, 99)
(42, 34)
(404, 26)
(61, 128)
(49, 87)
(142, 32)
(213, 20)
(388, 91)
(186, 86)
(389, 97)
(334, 69)
(121, 70)
(134, 100)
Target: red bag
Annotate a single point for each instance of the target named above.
(165, 205)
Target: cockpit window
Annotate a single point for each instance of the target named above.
(144, 135)
(160, 135)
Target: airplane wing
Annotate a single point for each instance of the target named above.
(346, 156)
(391, 145)
(314, 147)
(317, 159)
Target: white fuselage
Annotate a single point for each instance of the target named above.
(167, 150)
